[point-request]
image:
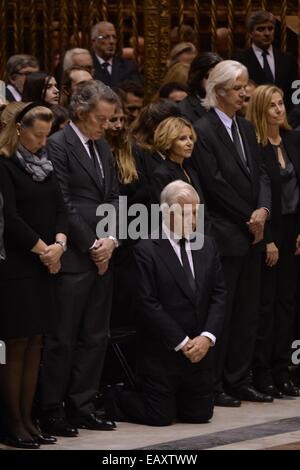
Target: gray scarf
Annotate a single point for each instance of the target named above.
(38, 166)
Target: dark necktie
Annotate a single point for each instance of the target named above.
(266, 67)
(105, 66)
(237, 142)
(95, 160)
(186, 265)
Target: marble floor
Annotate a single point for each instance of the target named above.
(253, 426)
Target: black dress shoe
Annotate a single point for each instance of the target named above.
(249, 393)
(44, 439)
(92, 422)
(222, 399)
(270, 390)
(21, 443)
(288, 388)
(58, 427)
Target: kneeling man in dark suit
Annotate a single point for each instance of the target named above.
(181, 305)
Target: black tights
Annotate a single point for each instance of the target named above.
(18, 380)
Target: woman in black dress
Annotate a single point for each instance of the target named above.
(35, 238)
(280, 152)
(133, 185)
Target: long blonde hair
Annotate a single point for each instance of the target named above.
(9, 136)
(257, 111)
(121, 146)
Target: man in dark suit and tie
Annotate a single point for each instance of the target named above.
(181, 305)
(74, 353)
(237, 194)
(109, 68)
(266, 64)
(17, 68)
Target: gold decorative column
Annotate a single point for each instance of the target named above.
(230, 26)
(75, 11)
(197, 22)
(180, 19)
(283, 36)
(32, 26)
(104, 10)
(3, 36)
(248, 8)
(120, 26)
(164, 35)
(264, 4)
(135, 32)
(64, 21)
(213, 24)
(151, 35)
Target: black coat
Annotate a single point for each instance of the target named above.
(286, 70)
(168, 309)
(291, 142)
(32, 210)
(82, 193)
(191, 108)
(122, 69)
(231, 193)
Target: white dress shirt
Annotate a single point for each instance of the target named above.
(270, 57)
(102, 61)
(176, 247)
(14, 92)
(84, 140)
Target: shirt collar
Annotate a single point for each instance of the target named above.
(102, 61)
(84, 139)
(14, 92)
(227, 121)
(259, 51)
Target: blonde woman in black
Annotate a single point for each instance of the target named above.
(280, 152)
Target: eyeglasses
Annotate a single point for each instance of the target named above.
(23, 73)
(107, 37)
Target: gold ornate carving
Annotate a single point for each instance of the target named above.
(283, 12)
(248, 8)
(135, 32)
(213, 24)
(180, 19)
(120, 28)
(3, 35)
(197, 27)
(151, 34)
(64, 21)
(104, 10)
(32, 26)
(164, 35)
(230, 26)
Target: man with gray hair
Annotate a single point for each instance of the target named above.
(109, 68)
(17, 68)
(181, 301)
(74, 353)
(237, 194)
(78, 56)
(266, 64)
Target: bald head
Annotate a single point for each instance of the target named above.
(104, 39)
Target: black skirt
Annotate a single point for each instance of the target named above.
(27, 307)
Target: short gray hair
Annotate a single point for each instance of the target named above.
(18, 61)
(95, 28)
(258, 17)
(88, 95)
(69, 55)
(222, 77)
(176, 192)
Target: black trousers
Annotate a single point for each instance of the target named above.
(73, 356)
(187, 396)
(235, 347)
(277, 311)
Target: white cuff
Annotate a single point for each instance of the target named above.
(182, 344)
(210, 336)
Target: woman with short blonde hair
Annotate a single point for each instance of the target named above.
(174, 139)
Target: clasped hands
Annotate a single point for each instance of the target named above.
(256, 224)
(51, 257)
(101, 253)
(196, 349)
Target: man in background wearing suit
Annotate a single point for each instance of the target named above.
(74, 354)
(266, 64)
(109, 68)
(237, 194)
(17, 68)
(181, 305)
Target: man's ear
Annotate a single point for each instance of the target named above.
(18, 127)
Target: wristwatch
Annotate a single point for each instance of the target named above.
(62, 244)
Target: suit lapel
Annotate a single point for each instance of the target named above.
(104, 162)
(115, 71)
(223, 134)
(171, 261)
(79, 152)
